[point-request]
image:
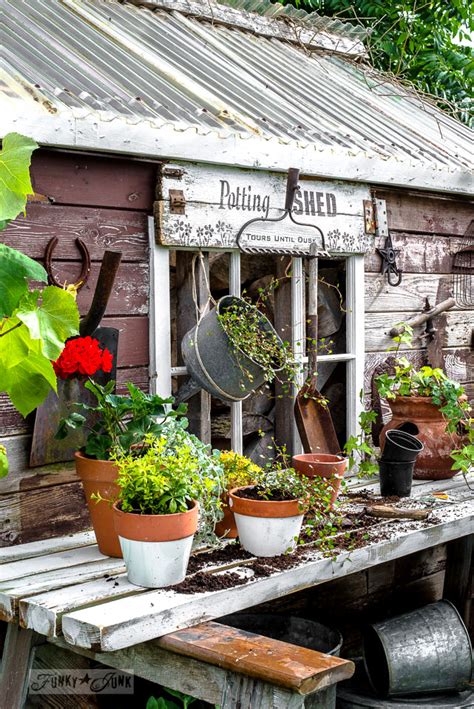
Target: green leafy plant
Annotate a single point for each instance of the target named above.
(162, 703)
(119, 422)
(359, 448)
(238, 470)
(173, 469)
(34, 323)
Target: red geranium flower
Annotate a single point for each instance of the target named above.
(82, 356)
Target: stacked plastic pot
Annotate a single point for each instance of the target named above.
(398, 462)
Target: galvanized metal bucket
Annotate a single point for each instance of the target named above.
(425, 651)
(216, 363)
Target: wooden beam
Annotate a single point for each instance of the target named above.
(189, 274)
(17, 659)
(286, 665)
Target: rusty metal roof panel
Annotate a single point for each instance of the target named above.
(106, 59)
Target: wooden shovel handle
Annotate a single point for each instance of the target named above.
(387, 512)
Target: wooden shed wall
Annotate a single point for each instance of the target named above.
(106, 202)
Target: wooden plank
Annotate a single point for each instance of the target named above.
(274, 661)
(49, 562)
(410, 295)
(100, 229)
(42, 513)
(11, 592)
(133, 340)
(75, 179)
(419, 253)
(16, 663)
(458, 329)
(199, 406)
(427, 214)
(43, 612)
(46, 546)
(119, 623)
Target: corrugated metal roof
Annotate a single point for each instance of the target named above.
(106, 60)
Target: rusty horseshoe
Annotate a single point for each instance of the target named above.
(86, 263)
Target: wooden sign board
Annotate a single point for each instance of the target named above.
(218, 201)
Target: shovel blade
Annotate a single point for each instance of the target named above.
(314, 423)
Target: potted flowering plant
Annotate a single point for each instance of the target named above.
(269, 513)
(156, 515)
(238, 471)
(116, 424)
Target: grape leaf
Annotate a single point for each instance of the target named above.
(52, 319)
(15, 270)
(29, 382)
(15, 182)
(3, 462)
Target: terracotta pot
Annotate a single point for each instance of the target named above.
(266, 527)
(156, 548)
(226, 528)
(323, 465)
(100, 476)
(434, 462)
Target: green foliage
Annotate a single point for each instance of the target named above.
(15, 183)
(162, 703)
(238, 469)
(3, 462)
(172, 470)
(120, 421)
(33, 328)
(415, 40)
(359, 448)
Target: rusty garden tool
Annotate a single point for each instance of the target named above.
(45, 449)
(312, 415)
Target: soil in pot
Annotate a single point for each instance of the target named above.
(98, 476)
(265, 527)
(323, 465)
(156, 548)
(434, 462)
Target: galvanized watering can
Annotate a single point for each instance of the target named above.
(217, 364)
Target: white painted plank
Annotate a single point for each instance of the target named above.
(160, 322)
(43, 612)
(46, 546)
(355, 318)
(50, 562)
(12, 591)
(128, 621)
(236, 428)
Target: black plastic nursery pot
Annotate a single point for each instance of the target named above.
(401, 447)
(396, 478)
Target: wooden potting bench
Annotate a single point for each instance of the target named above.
(63, 591)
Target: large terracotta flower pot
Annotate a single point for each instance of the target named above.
(434, 461)
(226, 528)
(156, 548)
(99, 476)
(323, 465)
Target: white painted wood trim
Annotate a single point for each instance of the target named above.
(340, 357)
(236, 425)
(355, 337)
(298, 310)
(46, 546)
(159, 317)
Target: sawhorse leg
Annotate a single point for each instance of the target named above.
(17, 658)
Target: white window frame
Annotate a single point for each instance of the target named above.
(161, 371)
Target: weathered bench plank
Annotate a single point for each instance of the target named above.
(274, 661)
(128, 621)
(50, 562)
(46, 546)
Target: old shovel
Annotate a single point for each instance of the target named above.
(45, 449)
(312, 415)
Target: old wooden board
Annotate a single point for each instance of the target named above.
(109, 613)
(218, 201)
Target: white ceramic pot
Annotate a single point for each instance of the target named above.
(266, 528)
(156, 548)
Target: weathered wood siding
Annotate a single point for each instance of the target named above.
(428, 230)
(105, 202)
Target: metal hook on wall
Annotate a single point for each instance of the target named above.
(86, 263)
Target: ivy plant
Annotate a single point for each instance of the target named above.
(34, 322)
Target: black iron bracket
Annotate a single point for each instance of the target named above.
(389, 263)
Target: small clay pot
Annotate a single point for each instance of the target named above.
(323, 465)
(226, 528)
(156, 548)
(266, 527)
(100, 476)
(434, 462)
